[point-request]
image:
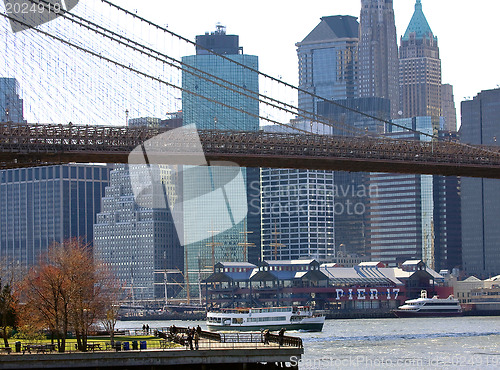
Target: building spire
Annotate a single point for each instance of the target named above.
(418, 24)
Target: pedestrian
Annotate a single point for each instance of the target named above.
(147, 328)
(198, 329)
(266, 336)
(143, 328)
(196, 339)
(281, 334)
(190, 340)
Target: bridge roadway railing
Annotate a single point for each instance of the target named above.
(348, 147)
(74, 143)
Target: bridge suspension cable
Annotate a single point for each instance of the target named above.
(274, 79)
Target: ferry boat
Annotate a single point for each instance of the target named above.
(429, 307)
(272, 318)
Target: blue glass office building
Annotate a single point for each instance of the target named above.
(11, 104)
(43, 205)
(222, 106)
(301, 209)
(480, 197)
(327, 61)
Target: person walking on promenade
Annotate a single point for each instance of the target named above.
(190, 339)
(266, 336)
(196, 340)
(281, 335)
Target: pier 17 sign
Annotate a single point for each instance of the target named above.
(366, 293)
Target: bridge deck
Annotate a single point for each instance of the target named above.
(24, 145)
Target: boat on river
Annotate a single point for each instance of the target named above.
(272, 318)
(429, 307)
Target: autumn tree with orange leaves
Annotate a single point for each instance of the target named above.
(68, 290)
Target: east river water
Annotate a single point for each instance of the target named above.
(423, 343)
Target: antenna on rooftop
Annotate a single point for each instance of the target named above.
(220, 29)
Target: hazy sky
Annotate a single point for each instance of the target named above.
(467, 31)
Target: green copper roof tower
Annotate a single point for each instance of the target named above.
(419, 69)
(418, 24)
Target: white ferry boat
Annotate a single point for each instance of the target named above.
(272, 318)
(429, 307)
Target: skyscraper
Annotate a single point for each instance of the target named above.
(378, 64)
(423, 95)
(298, 210)
(298, 206)
(352, 187)
(420, 69)
(219, 107)
(401, 208)
(43, 205)
(480, 200)
(327, 61)
(413, 216)
(137, 242)
(11, 104)
(447, 219)
(448, 109)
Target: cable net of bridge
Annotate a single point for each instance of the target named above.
(102, 64)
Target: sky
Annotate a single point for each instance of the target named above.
(467, 32)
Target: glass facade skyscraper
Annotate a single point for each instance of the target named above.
(480, 200)
(378, 63)
(220, 104)
(11, 104)
(43, 205)
(328, 60)
(299, 206)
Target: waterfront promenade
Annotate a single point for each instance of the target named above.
(216, 351)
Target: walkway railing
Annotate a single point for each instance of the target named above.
(256, 338)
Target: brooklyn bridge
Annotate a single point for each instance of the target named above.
(24, 145)
(102, 66)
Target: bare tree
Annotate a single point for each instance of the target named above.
(46, 300)
(68, 289)
(111, 295)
